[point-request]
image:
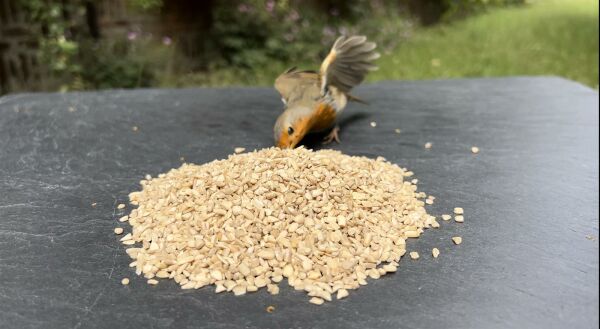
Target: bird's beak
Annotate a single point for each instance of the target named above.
(286, 143)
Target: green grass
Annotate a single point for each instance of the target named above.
(543, 38)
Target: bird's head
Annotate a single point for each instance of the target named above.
(291, 126)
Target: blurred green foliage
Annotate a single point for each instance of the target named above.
(56, 49)
(249, 42)
(244, 37)
(254, 33)
(550, 37)
(147, 4)
(114, 64)
(461, 8)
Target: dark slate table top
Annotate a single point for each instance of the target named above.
(529, 257)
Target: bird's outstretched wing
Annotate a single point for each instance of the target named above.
(347, 64)
(292, 80)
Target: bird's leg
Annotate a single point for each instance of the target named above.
(332, 136)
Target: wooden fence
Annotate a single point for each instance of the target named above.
(21, 70)
(19, 65)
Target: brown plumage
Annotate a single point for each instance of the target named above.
(314, 100)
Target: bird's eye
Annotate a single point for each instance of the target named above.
(290, 130)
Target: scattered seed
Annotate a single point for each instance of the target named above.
(316, 301)
(390, 268)
(414, 255)
(220, 288)
(125, 281)
(459, 218)
(229, 285)
(239, 290)
(428, 145)
(590, 237)
(118, 230)
(397, 131)
(182, 159)
(288, 271)
(412, 234)
(374, 274)
(270, 309)
(124, 219)
(475, 149)
(373, 124)
(153, 282)
(266, 254)
(239, 150)
(127, 236)
(273, 289)
(94, 204)
(429, 201)
(459, 211)
(342, 293)
(134, 128)
(217, 275)
(457, 240)
(72, 109)
(446, 217)
(121, 206)
(435, 252)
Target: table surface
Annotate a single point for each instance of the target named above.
(529, 257)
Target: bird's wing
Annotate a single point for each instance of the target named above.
(347, 64)
(292, 83)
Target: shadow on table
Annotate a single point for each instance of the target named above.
(315, 140)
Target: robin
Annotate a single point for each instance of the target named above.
(314, 100)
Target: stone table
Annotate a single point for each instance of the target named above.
(529, 257)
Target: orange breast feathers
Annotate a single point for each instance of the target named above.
(323, 117)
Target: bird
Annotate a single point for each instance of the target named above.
(313, 101)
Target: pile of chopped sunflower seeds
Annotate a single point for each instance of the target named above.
(323, 220)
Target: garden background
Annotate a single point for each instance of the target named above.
(86, 45)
